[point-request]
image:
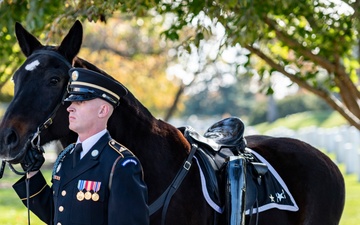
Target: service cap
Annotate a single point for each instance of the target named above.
(85, 85)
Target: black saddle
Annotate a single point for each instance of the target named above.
(227, 133)
(222, 140)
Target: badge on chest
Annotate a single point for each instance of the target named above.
(88, 190)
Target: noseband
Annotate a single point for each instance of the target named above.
(34, 140)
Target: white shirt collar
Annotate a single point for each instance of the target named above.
(89, 142)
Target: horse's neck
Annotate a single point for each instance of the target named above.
(156, 143)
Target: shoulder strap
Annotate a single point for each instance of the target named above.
(119, 148)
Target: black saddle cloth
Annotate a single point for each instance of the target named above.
(264, 189)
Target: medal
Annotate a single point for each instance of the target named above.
(80, 196)
(88, 187)
(95, 197)
(87, 195)
(96, 187)
(91, 188)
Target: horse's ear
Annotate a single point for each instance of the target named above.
(71, 44)
(28, 43)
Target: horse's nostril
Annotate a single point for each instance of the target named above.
(11, 138)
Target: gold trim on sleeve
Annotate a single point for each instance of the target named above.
(35, 193)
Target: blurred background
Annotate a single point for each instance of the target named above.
(286, 68)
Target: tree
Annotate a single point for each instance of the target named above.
(312, 42)
(131, 51)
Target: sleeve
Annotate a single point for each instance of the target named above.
(128, 194)
(40, 193)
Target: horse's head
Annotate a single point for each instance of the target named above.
(40, 84)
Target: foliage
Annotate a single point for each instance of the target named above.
(130, 50)
(258, 114)
(234, 99)
(311, 42)
(296, 121)
(289, 105)
(300, 103)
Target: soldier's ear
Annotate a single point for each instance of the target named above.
(104, 110)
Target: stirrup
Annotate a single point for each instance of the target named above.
(235, 190)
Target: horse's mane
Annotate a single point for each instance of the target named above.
(82, 63)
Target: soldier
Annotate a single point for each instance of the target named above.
(97, 182)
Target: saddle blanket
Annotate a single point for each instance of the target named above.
(272, 193)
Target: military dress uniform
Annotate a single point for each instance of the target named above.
(105, 187)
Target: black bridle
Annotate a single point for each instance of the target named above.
(34, 140)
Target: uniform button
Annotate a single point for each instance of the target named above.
(63, 193)
(61, 208)
(58, 223)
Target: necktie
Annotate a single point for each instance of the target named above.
(76, 155)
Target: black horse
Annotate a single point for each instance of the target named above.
(314, 180)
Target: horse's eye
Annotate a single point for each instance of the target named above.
(54, 81)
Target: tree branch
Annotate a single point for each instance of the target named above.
(342, 80)
(330, 99)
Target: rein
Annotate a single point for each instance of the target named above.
(35, 138)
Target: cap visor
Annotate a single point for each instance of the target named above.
(78, 98)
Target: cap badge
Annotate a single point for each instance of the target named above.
(75, 75)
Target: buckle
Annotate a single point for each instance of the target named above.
(187, 165)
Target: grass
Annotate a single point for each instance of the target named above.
(13, 212)
(351, 213)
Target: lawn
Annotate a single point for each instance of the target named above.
(12, 210)
(351, 213)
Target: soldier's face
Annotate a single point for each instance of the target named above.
(84, 117)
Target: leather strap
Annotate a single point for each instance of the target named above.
(164, 199)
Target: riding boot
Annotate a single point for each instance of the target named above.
(235, 190)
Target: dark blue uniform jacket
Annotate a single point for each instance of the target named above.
(112, 175)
